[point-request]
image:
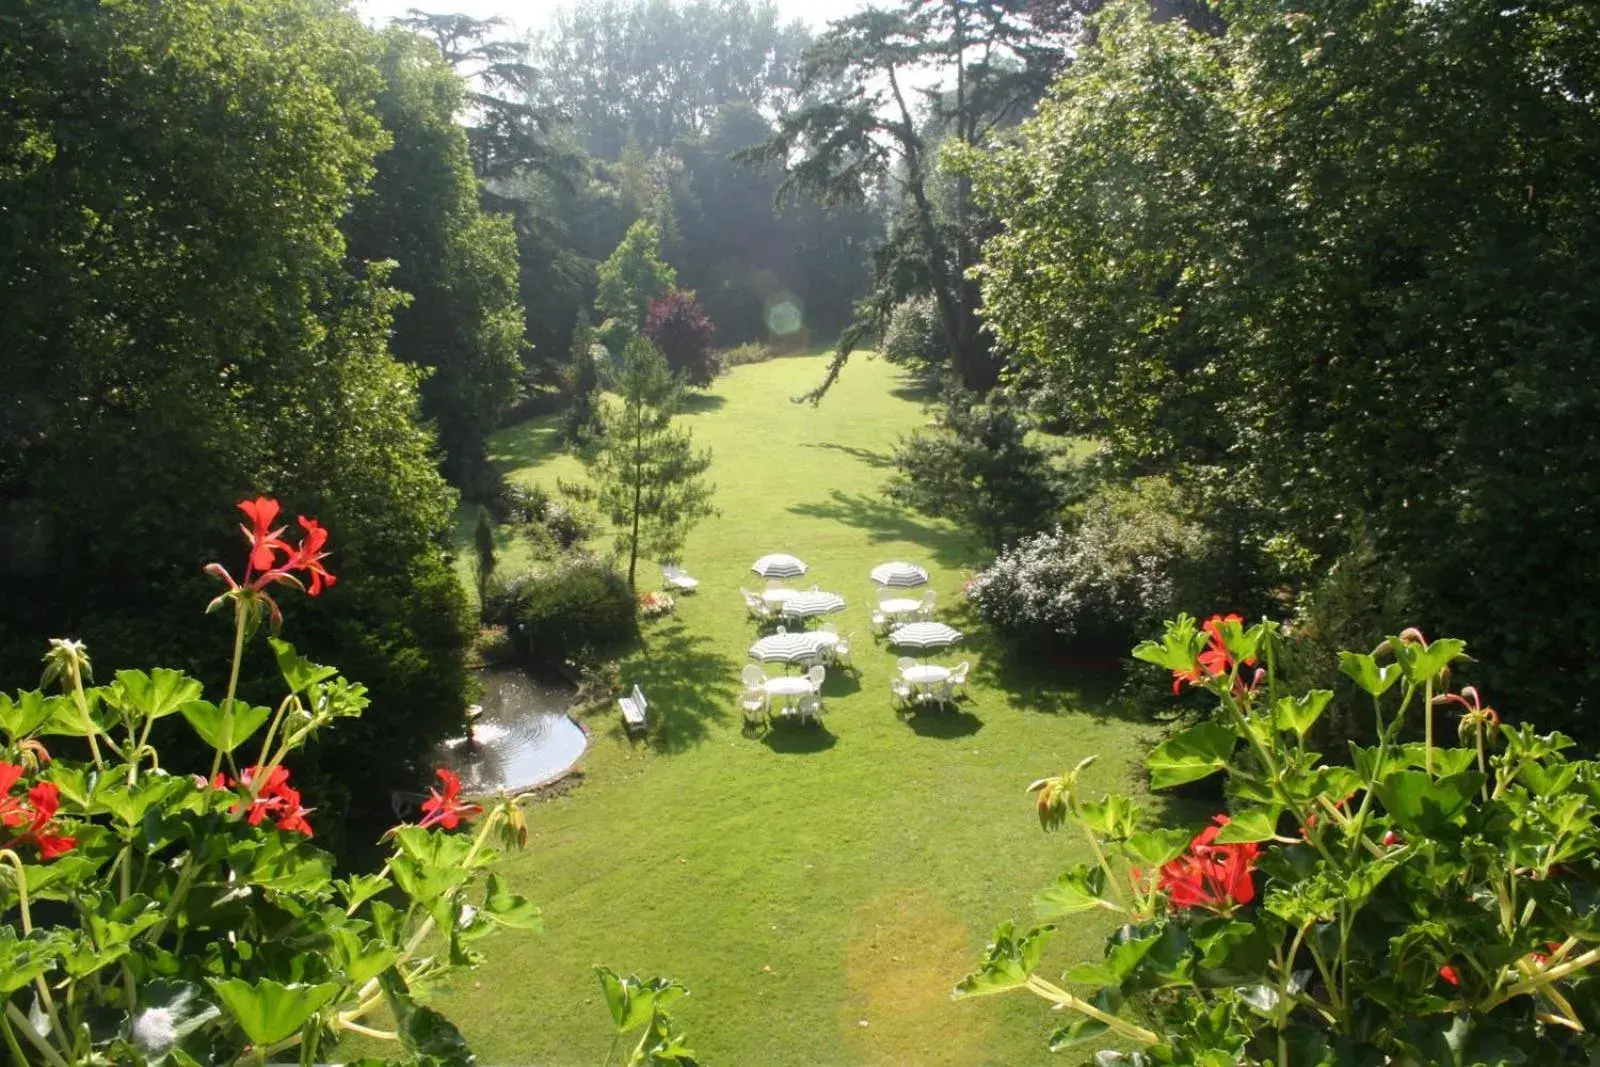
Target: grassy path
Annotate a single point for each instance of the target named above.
(819, 891)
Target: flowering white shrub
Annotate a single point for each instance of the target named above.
(1118, 569)
(653, 605)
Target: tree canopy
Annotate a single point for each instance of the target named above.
(1340, 265)
(183, 330)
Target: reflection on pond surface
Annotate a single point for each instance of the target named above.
(523, 736)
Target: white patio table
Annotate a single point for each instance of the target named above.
(776, 597)
(900, 605)
(791, 685)
(924, 677)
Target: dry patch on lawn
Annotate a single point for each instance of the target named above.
(905, 953)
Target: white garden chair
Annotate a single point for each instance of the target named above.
(673, 575)
(901, 691)
(754, 704)
(809, 708)
(817, 675)
(841, 652)
(958, 679)
(880, 623)
(926, 611)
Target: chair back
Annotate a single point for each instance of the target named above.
(960, 673)
(818, 674)
(927, 598)
(905, 663)
(638, 697)
(753, 676)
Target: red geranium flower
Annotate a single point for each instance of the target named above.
(264, 568)
(265, 542)
(1449, 974)
(1212, 876)
(34, 813)
(13, 812)
(446, 809)
(1214, 661)
(275, 797)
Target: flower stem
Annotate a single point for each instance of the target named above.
(27, 928)
(240, 606)
(1057, 995)
(11, 1043)
(78, 698)
(51, 1055)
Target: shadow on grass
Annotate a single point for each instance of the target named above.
(917, 388)
(840, 683)
(688, 683)
(944, 722)
(527, 444)
(865, 455)
(700, 403)
(799, 739)
(884, 521)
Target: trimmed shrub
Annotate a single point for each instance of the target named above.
(915, 334)
(677, 325)
(749, 352)
(1131, 560)
(578, 610)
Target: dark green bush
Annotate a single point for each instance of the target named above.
(579, 609)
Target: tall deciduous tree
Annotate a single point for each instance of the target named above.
(458, 263)
(647, 478)
(861, 130)
(1358, 289)
(632, 276)
(181, 330)
(645, 73)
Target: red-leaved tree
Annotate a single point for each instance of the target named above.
(676, 324)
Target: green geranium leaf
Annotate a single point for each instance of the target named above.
(31, 710)
(1151, 849)
(633, 1001)
(286, 864)
(22, 959)
(435, 1039)
(1113, 818)
(1420, 804)
(269, 1011)
(207, 720)
(1196, 753)
(1362, 669)
(1421, 665)
(506, 908)
(1252, 824)
(1007, 962)
(299, 673)
(1179, 646)
(157, 694)
(1299, 715)
(1076, 890)
(360, 888)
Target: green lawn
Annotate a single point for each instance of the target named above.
(819, 891)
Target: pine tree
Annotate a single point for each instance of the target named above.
(646, 475)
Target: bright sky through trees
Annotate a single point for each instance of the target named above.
(532, 14)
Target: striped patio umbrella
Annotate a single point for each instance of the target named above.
(806, 604)
(924, 635)
(899, 573)
(778, 565)
(785, 648)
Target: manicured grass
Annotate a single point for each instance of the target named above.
(818, 890)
